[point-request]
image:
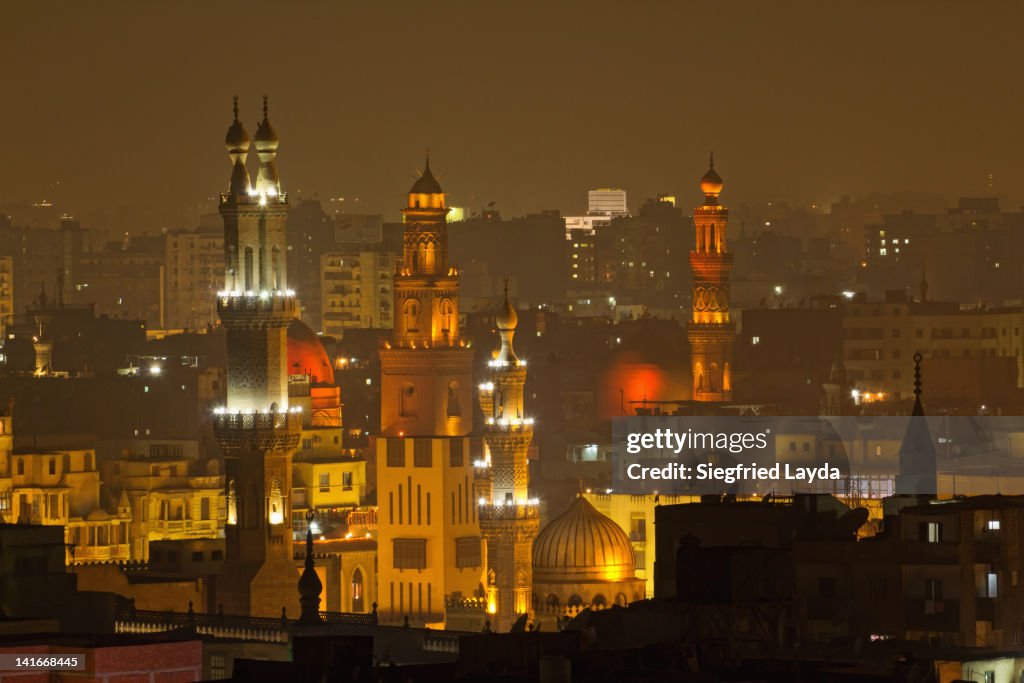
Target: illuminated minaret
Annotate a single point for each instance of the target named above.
(711, 332)
(426, 368)
(429, 556)
(256, 430)
(509, 519)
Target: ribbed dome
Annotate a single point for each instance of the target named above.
(506, 318)
(237, 139)
(581, 545)
(266, 137)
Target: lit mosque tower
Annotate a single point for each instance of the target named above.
(711, 332)
(508, 518)
(256, 430)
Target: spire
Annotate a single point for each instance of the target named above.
(426, 183)
(918, 408)
(310, 586)
(711, 161)
(235, 108)
(266, 108)
(266, 141)
(237, 143)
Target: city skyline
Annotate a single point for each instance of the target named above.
(805, 105)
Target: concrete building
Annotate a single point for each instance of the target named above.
(6, 295)
(609, 201)
(356, 290)
(194, 272)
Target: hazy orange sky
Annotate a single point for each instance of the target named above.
(526, 104)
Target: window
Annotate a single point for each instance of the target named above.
(346, 481)
(933, 589)
(307, 444)
(410, 553)
(396, 453)
(197, 556)
(53, 466)
(217, 555)
(204, 508)
(421, 453)
(21, 466)
(357, 591)
(755, 340)
(992, 525)
(218, 667)
(930, 532)
(467, 552)
(325, 482)
(991, 585)
(455, 453)
(453, 400)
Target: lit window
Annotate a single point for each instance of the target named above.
(992, 525)
(755, 340)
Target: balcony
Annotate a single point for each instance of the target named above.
(931, 615)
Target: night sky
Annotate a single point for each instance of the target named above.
(525, 104)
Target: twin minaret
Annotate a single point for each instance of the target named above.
(256, 429)
(711, 331)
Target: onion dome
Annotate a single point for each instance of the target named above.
(582, 545)
(711, 184)
(306, 354)
(237, 139)
(506, 318)
(266, 137)
(426, 183)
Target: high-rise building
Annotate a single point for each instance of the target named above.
(509, 519)
(257, 430)
(6, 294)
(429, 537)
(356, 290)
(607, 201)
(194, 267)
(711, 332)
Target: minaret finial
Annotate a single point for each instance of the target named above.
(917, 375)
(235, 108)
(266, 108)
(426, 168)
(711, 161)
(506, 289)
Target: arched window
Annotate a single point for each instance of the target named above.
(552, 600)
(453, 399)
(599, 601)
(248, 269)
(232, 503)
(263, 268)
(713, 377)
(275, 511)
(727, 378)
(447, 317)
(407, 400)
(575, 601)
(712, 243)
(621, 600)
(275, 268)
(411, 311)
(357, 591)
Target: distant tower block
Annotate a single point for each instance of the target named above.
(509, 520)
(256, 430)
(711, 331)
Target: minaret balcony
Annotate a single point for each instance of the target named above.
(523, 510)
(255, 306)
(254, 431)
(514, 424)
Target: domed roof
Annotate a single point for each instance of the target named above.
(582, 545)
(711, 184)
(237, 138)
(506, 317)
(306, 354)
(426, 183)
(266, 137)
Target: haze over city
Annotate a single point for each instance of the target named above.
(120, 101)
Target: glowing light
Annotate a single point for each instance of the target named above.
(276, 517)
(348, 535)
(155, 369)
(482, 501)
(481, 463)
(314, 528)
(368, 534)
(263, 200)
(778, 289)
(848, 294)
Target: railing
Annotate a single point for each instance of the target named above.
(265, 421)
(509, 511)
(261, 629)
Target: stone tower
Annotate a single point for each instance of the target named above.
(711, 332)
(509, 519)
(256, 430)
(430, 559)
(426, 368)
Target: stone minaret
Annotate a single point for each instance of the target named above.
(509, 520)
(256, 430)
(426, 368)
(711, 332)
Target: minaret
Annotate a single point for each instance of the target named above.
(256, 430)
(430, 558)
(427, 367)
(509, 519)
(918, 474)
(711, 332)
(310, 585)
